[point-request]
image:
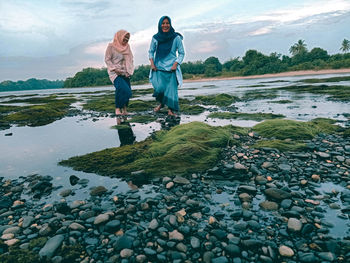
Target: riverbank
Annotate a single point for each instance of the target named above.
(254, 206)
(276, 75)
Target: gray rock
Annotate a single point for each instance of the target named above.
(268, 205)
(50, 247)
(294, 224)
(181, 180)
(27, 221)
(153, 224)
(195, 242)
(277, 193)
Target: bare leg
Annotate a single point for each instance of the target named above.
(125, 112)
(171, 113)
(156, 109)
(117, 111)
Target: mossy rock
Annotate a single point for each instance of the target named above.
(333, 79)
(295, 130)
(37, 242)
(346, 133)
(15, 254)
(38, 115)
(191, 109)
(282, 145)
(336, 92)
(260, 95)
(5, 109)
(143, 119)
(105, 103)
(219, 100)
(140, 105)
(281, 101)
(245, 116)
(138, 92)
(184, 149)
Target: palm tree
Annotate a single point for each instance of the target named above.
(345, 45)
(298, 48)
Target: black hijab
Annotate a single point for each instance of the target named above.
(165, 39)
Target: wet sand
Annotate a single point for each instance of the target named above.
(275, 75)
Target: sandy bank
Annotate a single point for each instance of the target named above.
(282, 74)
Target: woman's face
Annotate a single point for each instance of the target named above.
(126, 39)
(165, 25)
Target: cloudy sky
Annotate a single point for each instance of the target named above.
(54, 39)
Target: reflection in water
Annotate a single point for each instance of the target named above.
(126, 135)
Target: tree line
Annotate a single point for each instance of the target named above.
(30, 84)
(252, 63)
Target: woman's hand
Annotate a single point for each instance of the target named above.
(174, 67)
(153, 67)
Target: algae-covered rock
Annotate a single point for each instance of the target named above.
(295, 130)
(245, 116)
(186, 148)
(282, 145)
(219, 100)
(38, 115)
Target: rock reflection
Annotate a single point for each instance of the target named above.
(126, 135)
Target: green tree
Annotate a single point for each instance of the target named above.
(298, 48)
(345, 46)
(318, 53)
(215, 62)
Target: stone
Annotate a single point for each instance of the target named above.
(153, 224)
(126, 253)
(294, 224)
(181, 180)
(66, 192)
(51, 246)
(102, 218)
(76, 227)
(285, 251)
(277, 193)
(268, 205)
(98, 190)
(176, 235)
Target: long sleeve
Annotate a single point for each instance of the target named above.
(180, 50)
(152, 48)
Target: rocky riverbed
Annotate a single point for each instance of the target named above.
(255, 205)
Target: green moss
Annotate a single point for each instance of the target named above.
(104, 103)
(245, 116)
(143, 118)
(219, 100)
(38, 115)
(191, 109)
(281, 101)
(333, 79)
(336, 93)
(138, 92)
(346, 132)
(18, 255)
(140, 105)
(295, 130)
(186, 148)
(71, 253)
(37, 242)
(281, 145)
(35, 100)
(259, 95)
(4, 109)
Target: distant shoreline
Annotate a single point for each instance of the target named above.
(275, 75)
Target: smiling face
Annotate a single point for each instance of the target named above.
(165, 25)
(126, 39)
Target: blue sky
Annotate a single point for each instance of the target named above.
(54, 39)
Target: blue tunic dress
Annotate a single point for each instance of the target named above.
(164, 81)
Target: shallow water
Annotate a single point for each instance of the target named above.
(37, 150)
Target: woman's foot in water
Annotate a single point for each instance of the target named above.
(157, 109)
(124, 111)
(171, 113)
(118, 112)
